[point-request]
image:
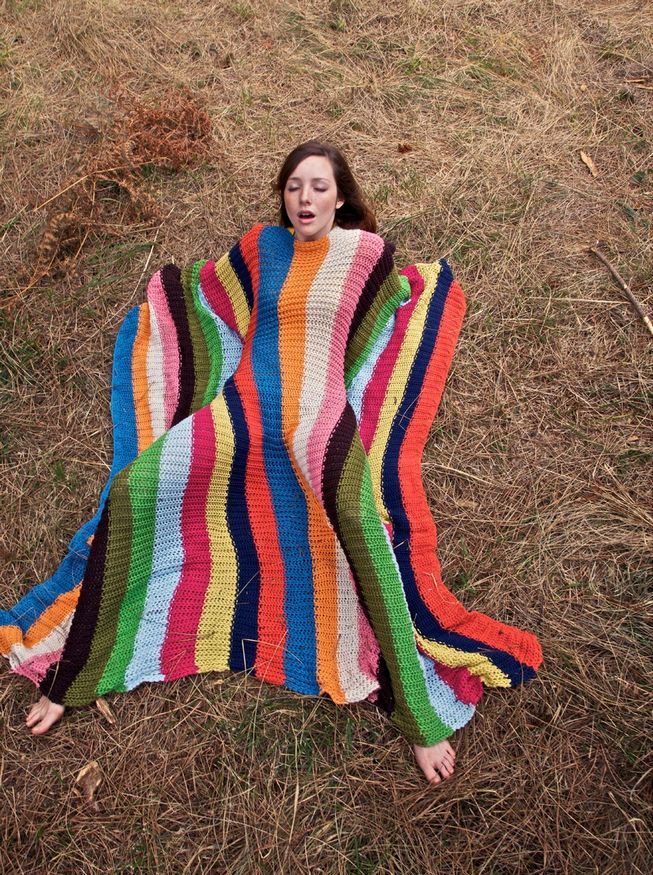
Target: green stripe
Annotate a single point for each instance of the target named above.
(211, 337)
(393, 291)
(380, 581)
(114, 584)
(143, 487)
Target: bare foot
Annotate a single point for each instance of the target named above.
(42, 715)
(436, 762)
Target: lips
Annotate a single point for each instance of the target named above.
(306, 215)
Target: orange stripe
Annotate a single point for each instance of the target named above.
(9, 635)
(52, 616)
(140, 382)
(292, 342)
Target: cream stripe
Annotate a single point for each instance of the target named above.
(320, 324)
(355, 684)
(155, 377)
(214, 630)
(54, 641)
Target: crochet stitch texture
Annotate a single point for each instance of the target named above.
(265, 509)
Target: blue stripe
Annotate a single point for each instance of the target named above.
(288, 499)
(423, 619)
(244, 633)
(125, 448)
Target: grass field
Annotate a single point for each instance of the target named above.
(465, 122)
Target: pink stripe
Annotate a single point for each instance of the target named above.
(331, 408)
(217, 296)
(178, 651)
(157, 299)
(368, 646)
(36, 668)
(375, 392)
(467, 687)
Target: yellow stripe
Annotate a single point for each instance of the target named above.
(214, 632)
(229, 279)
(475, 663)
(397, 383)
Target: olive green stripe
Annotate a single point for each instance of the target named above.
(200, 352)
(114, 584)
(211, 337)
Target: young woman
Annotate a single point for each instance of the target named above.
(265, 510)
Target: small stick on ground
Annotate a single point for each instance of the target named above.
(625, 287)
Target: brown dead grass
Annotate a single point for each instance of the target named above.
(538, 466)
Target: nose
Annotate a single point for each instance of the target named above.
(305, 195)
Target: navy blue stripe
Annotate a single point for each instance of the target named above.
(240, 269)
(244, 633)
(427, 625)
(62, 674)
(171, 281)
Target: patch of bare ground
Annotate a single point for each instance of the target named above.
(465, 122)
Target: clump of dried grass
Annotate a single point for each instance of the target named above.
(107, 192)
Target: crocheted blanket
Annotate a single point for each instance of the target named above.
(265, 509)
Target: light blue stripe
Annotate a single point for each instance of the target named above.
(288, 499)
(448, 708)
(167, 558)
(232, 345)
(359, 383)
(125, 448)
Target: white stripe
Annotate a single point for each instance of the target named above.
(322, 304)
(155, 377)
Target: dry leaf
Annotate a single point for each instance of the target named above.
(402, 148)
(587, 161)
(88, 780)
(105, 710)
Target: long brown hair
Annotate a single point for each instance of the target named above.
(355, 212)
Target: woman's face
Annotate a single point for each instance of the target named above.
(311, 198)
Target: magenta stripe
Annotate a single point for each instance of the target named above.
(375, 392)
(467, 687)
(158, 300)
(217, 296)
(178, 651)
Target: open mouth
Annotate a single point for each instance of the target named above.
(305, 215)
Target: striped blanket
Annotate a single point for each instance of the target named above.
(265, 510)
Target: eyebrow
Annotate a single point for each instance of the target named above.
(314, 179)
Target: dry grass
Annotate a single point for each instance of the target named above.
(538, 467)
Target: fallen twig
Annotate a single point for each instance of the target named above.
(625, 288)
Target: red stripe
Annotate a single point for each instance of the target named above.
(423, 535)
(178, 651)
